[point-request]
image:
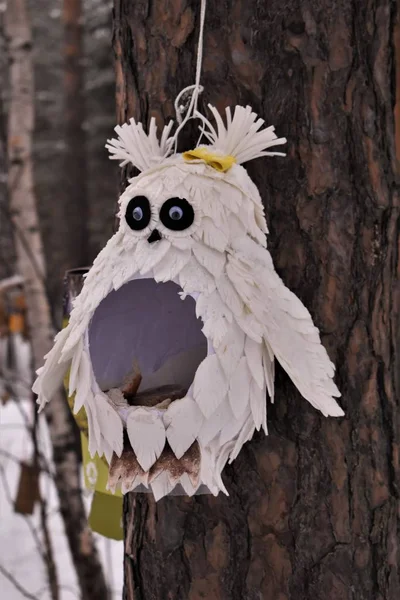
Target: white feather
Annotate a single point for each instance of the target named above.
(240, 178)
(213, 425)
(73, 376)
(249, 252)
(171, 265)
(251, 326)
(187, 485)
(193, 278)
(213, 236)
(84, 382)
(210, 385)
(232, 428)
(239, 387)
(107, 450)
(207, 470)
(110, 425)
(269, 370)
(241, 137)
(162, 486)
(236, 228)
(149, 256)
(127, 269)
(210, 306)
(75, 333)
(251, 223)
(183, 420)
(210, 259)
(254, 355)
(94, 434)
(264, 423)
(215, 330)
(220, 463)
(51, 375)
(257, 400)
(146, 434)
(231, 349)
(181, 243)
(91, 296)
(215, 315)
(173, 181)
(211, 206)
(231, 197)
(134, 146)
(229, 295)
(244, 436)
(243, 280)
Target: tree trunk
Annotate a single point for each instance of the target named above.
(67, 234)
(31, 265)
(7, 250)
(313, 511)
(75, 205)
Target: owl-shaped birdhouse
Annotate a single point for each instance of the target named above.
(172, 341)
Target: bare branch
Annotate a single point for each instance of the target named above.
(27, 520)
(10, 282)
(25, 244)
(48, 553)
(15, 459)
(16, 584)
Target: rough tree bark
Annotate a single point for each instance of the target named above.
(313, 508)
(31, 265)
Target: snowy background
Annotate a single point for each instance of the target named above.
(19, 553)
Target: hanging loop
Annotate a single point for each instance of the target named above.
(182, 104)
(183, 100)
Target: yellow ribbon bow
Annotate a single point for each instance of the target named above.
(216, 161)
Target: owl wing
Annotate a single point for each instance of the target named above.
(250, 317)
(105, 425)
(68, 342)
(230, 384)
(70, 350)
(286, 326)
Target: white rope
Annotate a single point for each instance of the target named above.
(195, 89)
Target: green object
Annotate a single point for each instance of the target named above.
(106, 515)
(106, 510)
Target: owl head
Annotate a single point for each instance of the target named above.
(172, 341)
(202, 196)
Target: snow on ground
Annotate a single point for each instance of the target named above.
(19, 553)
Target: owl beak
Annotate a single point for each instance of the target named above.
(155, 236)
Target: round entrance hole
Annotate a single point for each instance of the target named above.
(146, 322)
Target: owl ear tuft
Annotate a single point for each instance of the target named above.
(143, 150)
(240, 137)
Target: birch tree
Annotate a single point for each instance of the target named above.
(31, 265)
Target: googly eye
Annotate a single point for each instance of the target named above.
(138, 213)
(176, 214)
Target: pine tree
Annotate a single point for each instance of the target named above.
(313, 508)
